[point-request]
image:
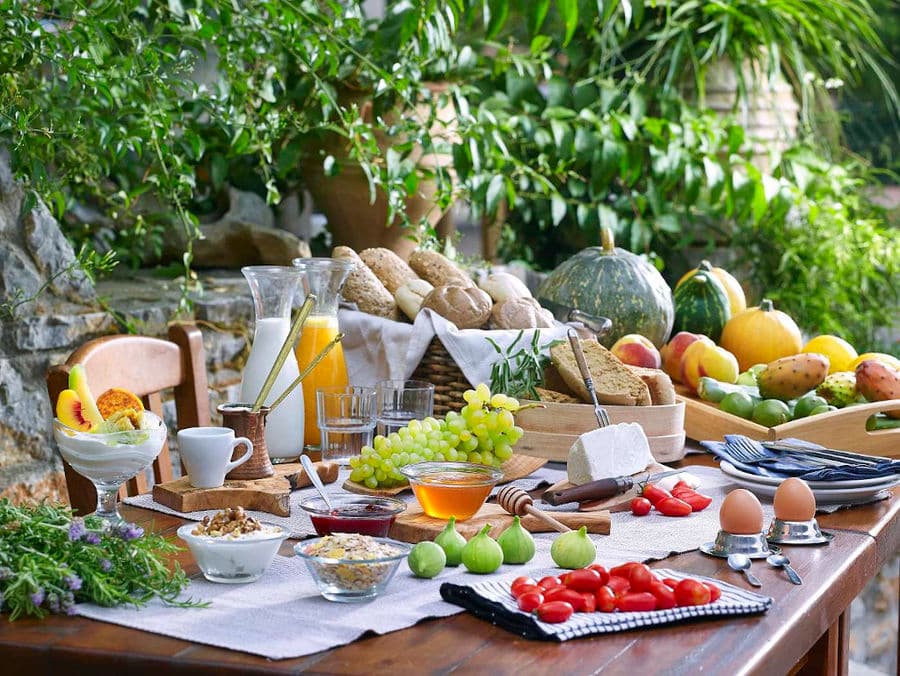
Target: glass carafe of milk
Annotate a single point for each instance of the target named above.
(273, 288)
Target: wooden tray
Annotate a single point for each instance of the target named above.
(551, 431)
(517, 467)
(414, 525)
(269, 495)
(841, 429)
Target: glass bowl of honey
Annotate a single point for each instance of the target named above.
(446, 489)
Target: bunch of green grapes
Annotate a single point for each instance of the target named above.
(483, 432)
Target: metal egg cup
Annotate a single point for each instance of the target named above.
(797, 533)
(753, 546)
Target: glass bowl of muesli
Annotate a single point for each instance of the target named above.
(233, 547)
(351, 567)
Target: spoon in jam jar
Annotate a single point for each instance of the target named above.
(316, 481)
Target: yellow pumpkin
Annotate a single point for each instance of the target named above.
(761, 334)
(736, 298)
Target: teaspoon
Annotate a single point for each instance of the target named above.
(316, 481)
(741, 563)
(782, 561)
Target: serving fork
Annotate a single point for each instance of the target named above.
(599, 411)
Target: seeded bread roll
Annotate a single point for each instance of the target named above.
(390, 269)
(613, 381)
(363, 288)
(411, 295)
(438, 269)
(662, 392)
(467, 307)
(520, 313)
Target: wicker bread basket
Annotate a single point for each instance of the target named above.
(438, 368)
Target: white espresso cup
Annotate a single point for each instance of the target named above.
(206, 453)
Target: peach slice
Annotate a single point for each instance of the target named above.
(70, 411)
(78, 382)
(118, 399)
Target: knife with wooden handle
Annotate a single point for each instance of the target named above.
(600, 489)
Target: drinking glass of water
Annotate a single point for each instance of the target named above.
(400, 401)
(346, 417)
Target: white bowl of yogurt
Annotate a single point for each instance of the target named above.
(234, 558)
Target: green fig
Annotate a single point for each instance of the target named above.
(573, 550)
(482, 554)
(451, 542)
(516, 543)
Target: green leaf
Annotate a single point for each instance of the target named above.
(558, 209)
(495, 192)
(715, 178)
(608, 217)
(495, 13)
(536, 15)
(568, 12)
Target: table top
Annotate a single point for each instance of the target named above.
(833, 575)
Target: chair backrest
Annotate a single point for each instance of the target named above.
(145, 366)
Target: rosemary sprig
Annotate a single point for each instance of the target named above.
(518, 373)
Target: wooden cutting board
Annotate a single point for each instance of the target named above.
(414, 525)
(618, 503)
(269, 495)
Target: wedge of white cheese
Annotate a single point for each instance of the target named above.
(616, 450)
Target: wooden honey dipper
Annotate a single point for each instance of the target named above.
(516, 501)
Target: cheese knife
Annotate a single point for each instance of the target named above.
(601, 489)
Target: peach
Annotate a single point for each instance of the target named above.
(70, 411)
(690, 361)
(717, 362)
(673, 352)
(635, 350)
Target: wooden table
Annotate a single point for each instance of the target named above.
(804, 632)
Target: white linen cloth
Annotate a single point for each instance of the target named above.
(376, 348)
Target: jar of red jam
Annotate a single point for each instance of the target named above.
(353, 514)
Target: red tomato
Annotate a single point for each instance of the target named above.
(714, 592)
(654, 493)
(640, 577)
(517, 592)
(692, 593)
(530, 601)
(697, 502)
(570, 596)
(554, 611)
(641, 506)
(606, 599)
(673, 507)
(665, 597)
(623, 570)
(519, 581)
(549, 582)
(590, 603)
(619, 585)
(584, 580)
(604, 574)
(636, 601)
(670, 582)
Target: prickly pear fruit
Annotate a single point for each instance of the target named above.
(839, 389)
(877, 381)
(791, 377)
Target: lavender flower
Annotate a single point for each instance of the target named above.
(92, 539)
(130, 532)
(68, 603)
(76, 530)
(53, 602)
(38, 597)
(5, 573)
(105, 565)
(73, 582)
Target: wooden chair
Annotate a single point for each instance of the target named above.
(145, 366)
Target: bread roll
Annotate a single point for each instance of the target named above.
(502, 286)
(613, 381)
(520, 313)
(438, 269)
(411, 295)
(662, 392)
(363, 287)
(390, 269)
(467, 307)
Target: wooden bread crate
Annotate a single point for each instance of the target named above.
(551, 431)
(841, 429)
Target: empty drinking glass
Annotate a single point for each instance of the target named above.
(400, 401)
(346, 417)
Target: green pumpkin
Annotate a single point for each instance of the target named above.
(614, 283)
(702, 306)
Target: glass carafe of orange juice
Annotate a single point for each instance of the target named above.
(324, 277)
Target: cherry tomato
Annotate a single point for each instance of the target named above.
(641, 506)
(583, 580)
(604, 574)
(670, 582)
(570, 596)
(714, 592)
(640, 577)
(519, 581)
(619, 585)
(554, 611)
(517, 592)
(665, 597)
(590, 603)
(697, 502)
(636, 601)
(549, 582)
(692, 593)
(530, 601)
(673, 507)
(623, 570)
(606, 599)
(654, 493)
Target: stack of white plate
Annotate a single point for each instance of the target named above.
(850, 491)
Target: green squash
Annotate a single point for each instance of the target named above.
(614, 283)
(702, 305)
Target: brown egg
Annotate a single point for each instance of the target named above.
(794, 501)
(741, 513)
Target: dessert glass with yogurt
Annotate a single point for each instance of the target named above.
(110, 459)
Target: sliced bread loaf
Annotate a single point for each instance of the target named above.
(662, 392)
(363, 287)
(613, 381)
